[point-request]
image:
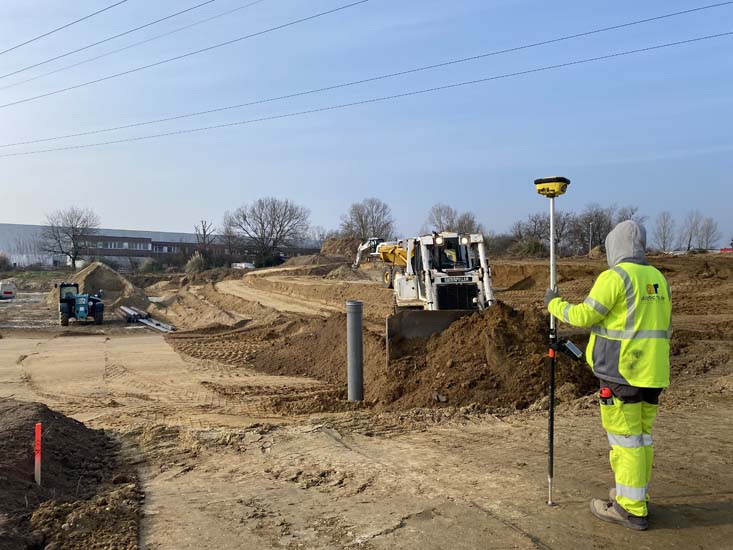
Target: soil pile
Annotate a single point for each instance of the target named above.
(76, 506)
(315, 259)
(342, 246)
(495, 358)
(211, 276)
(97, 276)
(345, 273)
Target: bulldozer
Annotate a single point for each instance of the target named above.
(81, 307)
(447, 277)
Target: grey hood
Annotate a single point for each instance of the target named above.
(626, 243)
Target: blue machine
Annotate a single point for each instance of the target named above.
(81, 307)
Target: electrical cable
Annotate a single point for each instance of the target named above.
(377, 99)
(362, 81)
(97, 43)
(62, 27)
(185, 55)
(133, 45)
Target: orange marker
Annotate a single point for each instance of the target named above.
(38, 454)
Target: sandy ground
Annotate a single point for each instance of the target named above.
(229, 469)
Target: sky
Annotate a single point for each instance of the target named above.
(651, 129)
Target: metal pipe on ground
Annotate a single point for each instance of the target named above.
(355, 350)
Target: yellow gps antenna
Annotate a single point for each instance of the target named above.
(552, 188)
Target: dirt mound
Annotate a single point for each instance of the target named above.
(345, 273)
(211, 276)
(342, 246)
(597, 253)
(495, 358)
(97, 276)
(711, 270)
(77, 505)
(315, 259)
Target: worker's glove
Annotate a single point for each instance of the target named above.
(550, 296)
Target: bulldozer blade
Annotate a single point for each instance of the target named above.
(410, 324)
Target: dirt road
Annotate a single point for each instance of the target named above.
(222, 473)
(231, 457)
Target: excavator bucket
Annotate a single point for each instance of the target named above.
(410, 324)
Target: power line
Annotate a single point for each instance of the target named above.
(185, 55)
(133, 45)
(365, 80)
(62, 27)
(150, 24)
(377, 99)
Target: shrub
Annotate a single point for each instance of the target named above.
(196, 264)
(150, 266)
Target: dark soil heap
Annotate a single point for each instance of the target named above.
(494, 358)
(76, 507)
(342, 246)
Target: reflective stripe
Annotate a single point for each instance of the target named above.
(646, 440)
(566, 313)
(634, 493)
(598, 306)
(630, 298)
(626, 441)
(632, 334)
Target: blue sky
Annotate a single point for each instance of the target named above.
(651, 129)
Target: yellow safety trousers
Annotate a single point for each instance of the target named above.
(629, 428)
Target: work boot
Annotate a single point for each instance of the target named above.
(612, 494)
(606, 511)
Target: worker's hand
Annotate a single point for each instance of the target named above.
(550, 295)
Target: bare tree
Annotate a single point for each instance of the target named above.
(269, 224)
(630, 213)
(467, 223)
(595, 221)
(205, 237)
(663, 233)
(690, 229)
(368, 218)
(708, 236)
(441, 218)
(233, 243)
(319, 234)
(65, 232)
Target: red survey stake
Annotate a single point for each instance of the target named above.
(38, 453)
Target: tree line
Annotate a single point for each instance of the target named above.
(579, 232)
(267, 226)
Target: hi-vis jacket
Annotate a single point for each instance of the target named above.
(629, 311)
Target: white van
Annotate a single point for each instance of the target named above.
(8, 290)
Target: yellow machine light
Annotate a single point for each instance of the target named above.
(552, 187)
(465, 240)
(439, 240)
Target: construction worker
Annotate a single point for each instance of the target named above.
(629, 311)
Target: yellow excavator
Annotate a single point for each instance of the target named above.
(391, 254)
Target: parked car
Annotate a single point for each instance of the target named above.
(8, 290)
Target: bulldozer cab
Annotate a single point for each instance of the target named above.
(445, 252)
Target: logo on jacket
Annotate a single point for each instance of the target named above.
(653, 295)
